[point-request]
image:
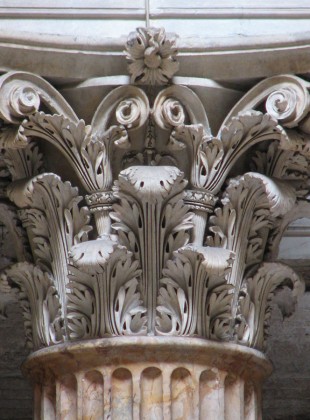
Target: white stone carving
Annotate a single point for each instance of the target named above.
(282, 164)
(23, 163)
(212, 158)
(249, 207)
(22, 94)
(182, 233)
(54, 223)
(39, 301)
(297, 141)
(255, 297)
(10, 137)
(151, 221)
(183, 243)
(195, 298)
(104, 298)
(88, 156)
(286, 98)
(18, 236)
(152, 56)
(176, 105)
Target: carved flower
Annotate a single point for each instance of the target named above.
(151, 55)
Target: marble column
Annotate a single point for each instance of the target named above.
(147, 378)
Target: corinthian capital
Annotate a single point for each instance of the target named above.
(179, 260)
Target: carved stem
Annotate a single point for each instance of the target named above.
(199, 221)
(201, 203)
(103, 222)
(100, 204)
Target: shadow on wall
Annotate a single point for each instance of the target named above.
(286, 392)
(15, 391)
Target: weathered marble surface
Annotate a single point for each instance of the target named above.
(147, 378)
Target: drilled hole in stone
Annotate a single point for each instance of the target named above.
(190, 281)
(203, 171)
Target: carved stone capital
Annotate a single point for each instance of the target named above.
(144, 245)
(152, 255)
(184, 221)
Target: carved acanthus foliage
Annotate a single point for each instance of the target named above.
(297, 141)
(88, 149)
(10, 138)
(89, 155)
(54, 221)
(281, 164)
(212, 158)
(23, 163)
(104, 298)
(148, 271)
(9, 218)
(250, 206)
(195, 298)
(39, 301)
(255, 300)
(151, 221)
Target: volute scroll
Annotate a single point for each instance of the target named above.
(177, 231)
(160, 305)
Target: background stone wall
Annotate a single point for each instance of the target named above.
(287, 392)
(15, 391)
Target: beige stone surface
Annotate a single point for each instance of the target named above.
(147, 378)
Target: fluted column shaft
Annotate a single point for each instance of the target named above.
(147, 378)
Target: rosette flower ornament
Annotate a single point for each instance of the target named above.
(152, 56)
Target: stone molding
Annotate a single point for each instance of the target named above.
(147, 377)
(58, 53)
(161, 9)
